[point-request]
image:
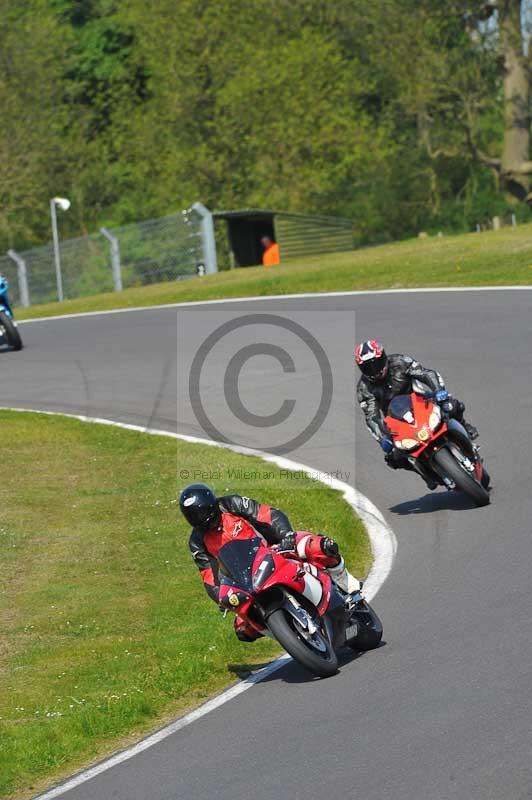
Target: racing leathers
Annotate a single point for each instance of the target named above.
(275, 528)
(375, 397)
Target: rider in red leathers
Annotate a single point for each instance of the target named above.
(211, 516)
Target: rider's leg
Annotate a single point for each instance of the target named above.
(324, 552)
(396, 460)
(457, 412)
(343, 578)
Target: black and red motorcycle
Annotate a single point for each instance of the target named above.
(437, 445)
(294, 601)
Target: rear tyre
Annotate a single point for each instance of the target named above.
(10, 332)
(369, 628)
(464, 482)
(288, 633)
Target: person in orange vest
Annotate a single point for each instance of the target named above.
(271, 255)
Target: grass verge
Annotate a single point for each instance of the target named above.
(476, 259)
(105, 630)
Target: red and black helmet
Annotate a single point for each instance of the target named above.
(372, 360)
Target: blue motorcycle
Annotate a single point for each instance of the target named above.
(8, 327)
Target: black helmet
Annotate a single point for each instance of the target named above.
(372, 360)
(199, 505)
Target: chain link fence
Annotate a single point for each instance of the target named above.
(175, 247)
(8, 268)
(84, 268)
(159, 250)
(165, 249)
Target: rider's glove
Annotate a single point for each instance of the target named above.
(386, 444)
(441, 395)
(328, 546)
(288, 542)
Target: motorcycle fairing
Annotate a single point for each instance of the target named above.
(410, 416)
(459, 434)
(235, 562)
(249, 569)
(295, 574)
(400, 408)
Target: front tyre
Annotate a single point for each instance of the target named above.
(465, 482)
(10, 332)
(315, 652)
(485, 480)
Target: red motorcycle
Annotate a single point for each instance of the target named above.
(438, 446)
(294, 601)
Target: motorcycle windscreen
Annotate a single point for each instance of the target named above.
(401, 408)
(235, 561)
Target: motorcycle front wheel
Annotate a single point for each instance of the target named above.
(10, 332)
(465, 482)
(313, 651)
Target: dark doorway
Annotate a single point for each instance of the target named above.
(245, 231)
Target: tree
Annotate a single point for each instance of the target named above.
(472, 96)
(32, 118)
(515, 165)
(388, 112)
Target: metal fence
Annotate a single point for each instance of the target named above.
(169, 248)
(165, 249)
(300, 235)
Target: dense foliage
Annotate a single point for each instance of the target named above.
(389, 112)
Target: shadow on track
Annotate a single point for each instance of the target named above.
(437, 501)
(245, 670)
(292, 672)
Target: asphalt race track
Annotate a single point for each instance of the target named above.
(442, 711)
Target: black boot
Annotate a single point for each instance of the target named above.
(431, 484)
(472, 432)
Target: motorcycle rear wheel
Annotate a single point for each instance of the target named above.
(464, 482)
(284, 628)
(11, 334)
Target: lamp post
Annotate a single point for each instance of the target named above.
(64, 205)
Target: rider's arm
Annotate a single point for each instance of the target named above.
(429, 377)
(205, 563)
(268, 521)
(372, 413)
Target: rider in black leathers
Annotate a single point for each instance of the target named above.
(384, 377)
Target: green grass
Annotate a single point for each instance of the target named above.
(105, 629)
(475, 259)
